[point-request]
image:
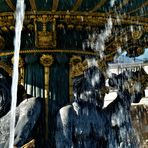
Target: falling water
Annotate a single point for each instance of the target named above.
(20, 9)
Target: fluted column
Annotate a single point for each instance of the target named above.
(46, 61)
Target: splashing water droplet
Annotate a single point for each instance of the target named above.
(82, 19)
(92, 62)
(112, 2)
(131, 28)
(118, 19)
(119, 50)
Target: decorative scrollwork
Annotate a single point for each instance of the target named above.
(79, 68)
(45, 38)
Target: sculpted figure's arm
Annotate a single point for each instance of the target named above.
(28, 112)
(64, 127)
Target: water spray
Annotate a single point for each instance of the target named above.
(20, 10)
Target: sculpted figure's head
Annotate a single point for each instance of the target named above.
(5, 92)
(131, 81)
(90, 87)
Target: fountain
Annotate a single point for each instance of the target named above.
(84, 123)
(54, 57)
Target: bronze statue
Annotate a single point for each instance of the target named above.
(27, 113)
(85, 123)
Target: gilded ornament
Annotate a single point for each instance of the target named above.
(146, 28)
(30, 144)
(44, 39)
(79, 17)
(12, 28)
(140, 50)
(136, 34)
(79, 68)
(70, 26)
(21, 61)
(4, 28)
(67, 16)
(79, 27)
(61, 26)
(49, 51)
(46, 60)
(30, 26)
(6, 67)
(75, 59)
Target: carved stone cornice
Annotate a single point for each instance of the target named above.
(88, 18)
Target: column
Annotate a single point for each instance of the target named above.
(46, 61)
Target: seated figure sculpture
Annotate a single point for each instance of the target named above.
(27, 113)
(131, 86)
(86, 124)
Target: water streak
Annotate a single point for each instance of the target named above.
(20, 9)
